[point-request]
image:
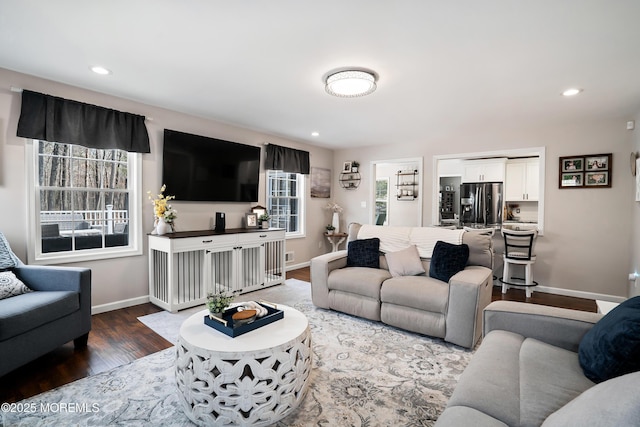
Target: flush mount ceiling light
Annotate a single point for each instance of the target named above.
(571, 92)
(100, 70)
(350, 83)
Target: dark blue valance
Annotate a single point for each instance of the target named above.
(54, 119)
(287, 159)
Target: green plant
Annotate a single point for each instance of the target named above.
(264, 217)
(330, 227)
(355, 164)
(217, 303)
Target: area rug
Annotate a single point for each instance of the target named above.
(365, 374)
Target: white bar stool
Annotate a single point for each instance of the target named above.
(519, 250)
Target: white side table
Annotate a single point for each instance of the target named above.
(254, 379)
(335, 239)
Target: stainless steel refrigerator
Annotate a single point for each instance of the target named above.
(481, 204)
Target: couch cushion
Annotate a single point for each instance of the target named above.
(7, 257)
(480, 248)
(447, 260)
(364, 253)
(550, 377)
(358, 280)
(421, 292)
(28, 311)
(405, 262)
(11, 286)
(615, 402)
(612, 347)
(457, 416)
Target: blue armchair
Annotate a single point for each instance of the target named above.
(35, 323)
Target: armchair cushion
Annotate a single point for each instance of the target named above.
(7, 257)
(364, 253)
(612, 347)
(447, 260)
(11, 286)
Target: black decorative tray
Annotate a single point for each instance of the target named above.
(226, 324)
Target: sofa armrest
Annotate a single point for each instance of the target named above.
(556, 326)
(50, 278)
(321, 266)
(469, 293)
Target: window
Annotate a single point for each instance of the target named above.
(382, 201)
(84, 203)
(285, 201)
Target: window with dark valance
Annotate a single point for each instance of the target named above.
(287, 159)
(49, 118)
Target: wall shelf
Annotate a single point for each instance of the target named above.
(407, 185)
(350, 180)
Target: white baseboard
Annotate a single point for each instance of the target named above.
(572, 293)
(103, 308)
(297, 266)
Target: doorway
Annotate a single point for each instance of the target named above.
(396, 193)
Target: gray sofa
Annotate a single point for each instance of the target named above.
(35, 323)
(417, 303)
(526, 372)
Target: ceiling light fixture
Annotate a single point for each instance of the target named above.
(350, 83)
(100, 70)
(571, 92)
(315, 133)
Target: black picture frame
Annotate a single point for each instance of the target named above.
(585, 171)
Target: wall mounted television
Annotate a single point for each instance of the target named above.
(198, 168)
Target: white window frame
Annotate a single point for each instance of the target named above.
(300, 181)
(385, 200)
(34, 246)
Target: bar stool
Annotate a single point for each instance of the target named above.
(519, 250)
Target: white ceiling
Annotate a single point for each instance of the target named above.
(444, 67)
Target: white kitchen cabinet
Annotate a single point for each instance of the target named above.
(485, 170)
(522, 181)
(185, 266)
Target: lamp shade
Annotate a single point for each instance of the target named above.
(350, 83)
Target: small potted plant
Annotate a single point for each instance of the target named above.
(264, 220)
(217, 303)
(354, 166)
(330, 229)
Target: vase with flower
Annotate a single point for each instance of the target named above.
(335, 221)
(163, 212)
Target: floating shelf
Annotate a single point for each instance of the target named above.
(350, 180)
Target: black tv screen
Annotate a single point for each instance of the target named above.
(197, 168)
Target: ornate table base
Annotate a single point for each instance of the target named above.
(246, 387)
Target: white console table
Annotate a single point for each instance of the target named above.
(186, 265)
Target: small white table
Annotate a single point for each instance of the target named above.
(254, 379)
(335, 239)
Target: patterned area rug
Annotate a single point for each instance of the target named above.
(364, 374)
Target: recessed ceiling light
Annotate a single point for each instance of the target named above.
(100, 70)
(571, 92)
(350, 83)
(315, 133)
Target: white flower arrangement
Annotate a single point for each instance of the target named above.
(333, 207)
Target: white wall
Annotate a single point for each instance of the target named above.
(124, 281)
(587, 241)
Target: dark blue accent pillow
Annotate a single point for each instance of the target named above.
(612, 347)
(447, 259)
(364, 253)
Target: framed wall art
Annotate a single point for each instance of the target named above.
(585, 171)
(251, 220)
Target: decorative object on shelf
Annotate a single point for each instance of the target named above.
(407, 184)
(320, 183)
(346, 167)
(264, 220)
(350, 83)
(336, 209)
(350, 180)
(251, 220)
(163, 213)
(354, 166)
(587, 170)
(330, 229)
(259, 210)
(217, 303)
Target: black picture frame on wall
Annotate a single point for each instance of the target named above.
(585, 171)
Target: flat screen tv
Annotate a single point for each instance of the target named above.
(197, 168)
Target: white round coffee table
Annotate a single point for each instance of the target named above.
(254, 379)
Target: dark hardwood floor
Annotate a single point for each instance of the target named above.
(118, 338)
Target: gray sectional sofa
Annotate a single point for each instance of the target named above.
(450, 310)
(527, 372)
(57, 310)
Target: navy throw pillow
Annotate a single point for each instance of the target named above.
(447, 259)
(364, 253)
(612, 347)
